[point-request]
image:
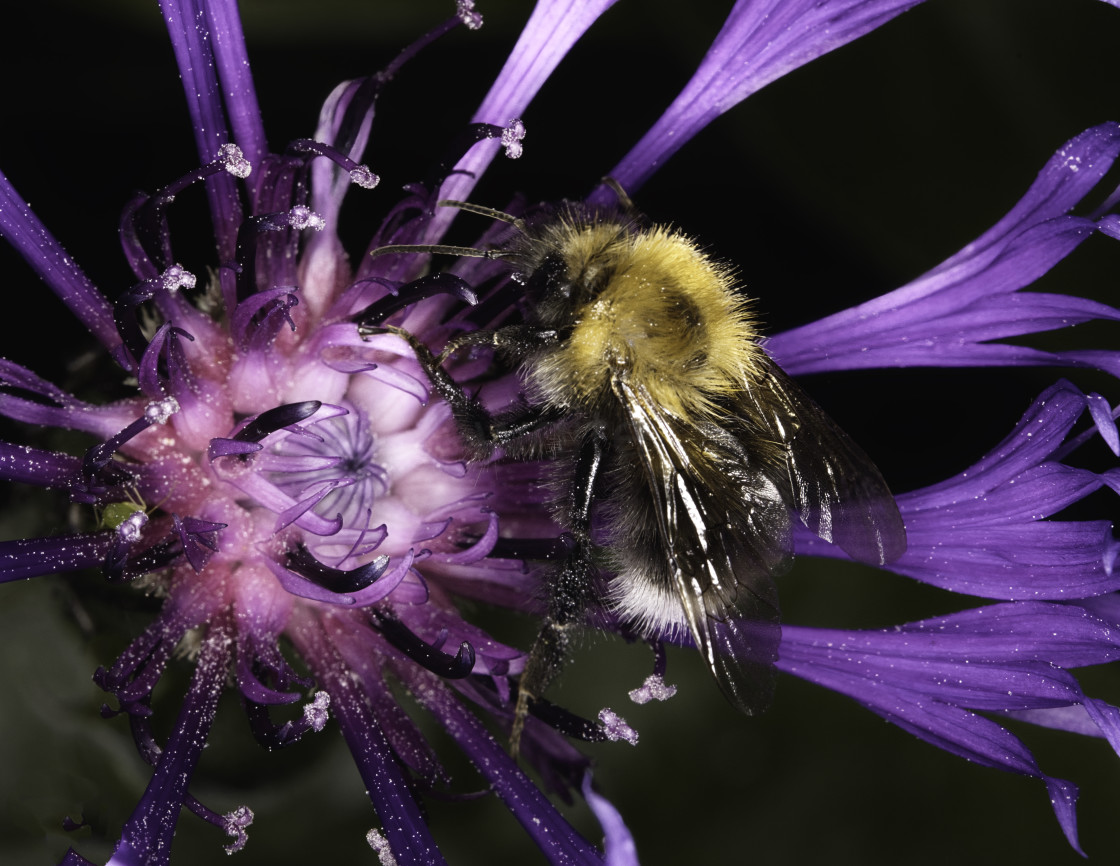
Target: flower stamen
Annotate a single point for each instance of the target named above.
(426, 655)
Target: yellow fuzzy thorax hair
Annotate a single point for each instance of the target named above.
(658, 313)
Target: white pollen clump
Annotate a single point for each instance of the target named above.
(512, 136)
(132, 526)
(177, 277)
(471, 18)
(653, 689)
(363, 177)
(235, 823)
(158, 411)
(234, 160)
(381, 845)
(302, 217)
(615, 727)
(316, 712)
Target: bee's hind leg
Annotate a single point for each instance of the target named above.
(570, 587)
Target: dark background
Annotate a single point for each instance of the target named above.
(841, 181)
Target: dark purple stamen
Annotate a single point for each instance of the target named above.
(151, 751)
(265, 731)
(275, 419)
(118, 568)
(246, 441)
(417, 290)
(567, 722)
(127, 305)
(460, 145)
(153, 823)
(273, 736)
(194, 538)
(164, 367)
(96, 460)
(144, 230)
(660, 658)
(258, 320)
(117, 557)
(264, 676)
(424, 654)
(137, 670)
(254, 228)
(359, 174)
(198, 539)
(98, 457)
(363, 92)
(302, 562)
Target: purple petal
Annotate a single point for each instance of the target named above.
(551, 31)
(23, 230)
(146, 837)
(192, 39)
(388, 788)
(559, 841)
(29, 465)
(1110, 225)
(618, 844)
(73, 858)
(997, 636)
(239, 95)
(983, 531)
(1091, 718)
(817, 657)
(945, 317)
(761, 41)
(1105, 423)
(31, 557)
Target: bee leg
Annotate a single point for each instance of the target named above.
(570, 589)
(479, 430)
(516, 341)
(471, 417)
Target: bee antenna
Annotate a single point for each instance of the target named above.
(482, 210)
(444, 249)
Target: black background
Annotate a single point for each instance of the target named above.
(845, 179)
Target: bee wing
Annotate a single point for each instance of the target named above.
(724, 527)
(837, 491)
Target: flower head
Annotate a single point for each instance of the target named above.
(284, 479)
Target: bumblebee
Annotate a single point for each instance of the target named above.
(691, 453)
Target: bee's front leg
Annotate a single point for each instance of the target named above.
(479, 430)
(571, 589)
(513, 341)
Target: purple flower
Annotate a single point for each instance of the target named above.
(286, 487)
